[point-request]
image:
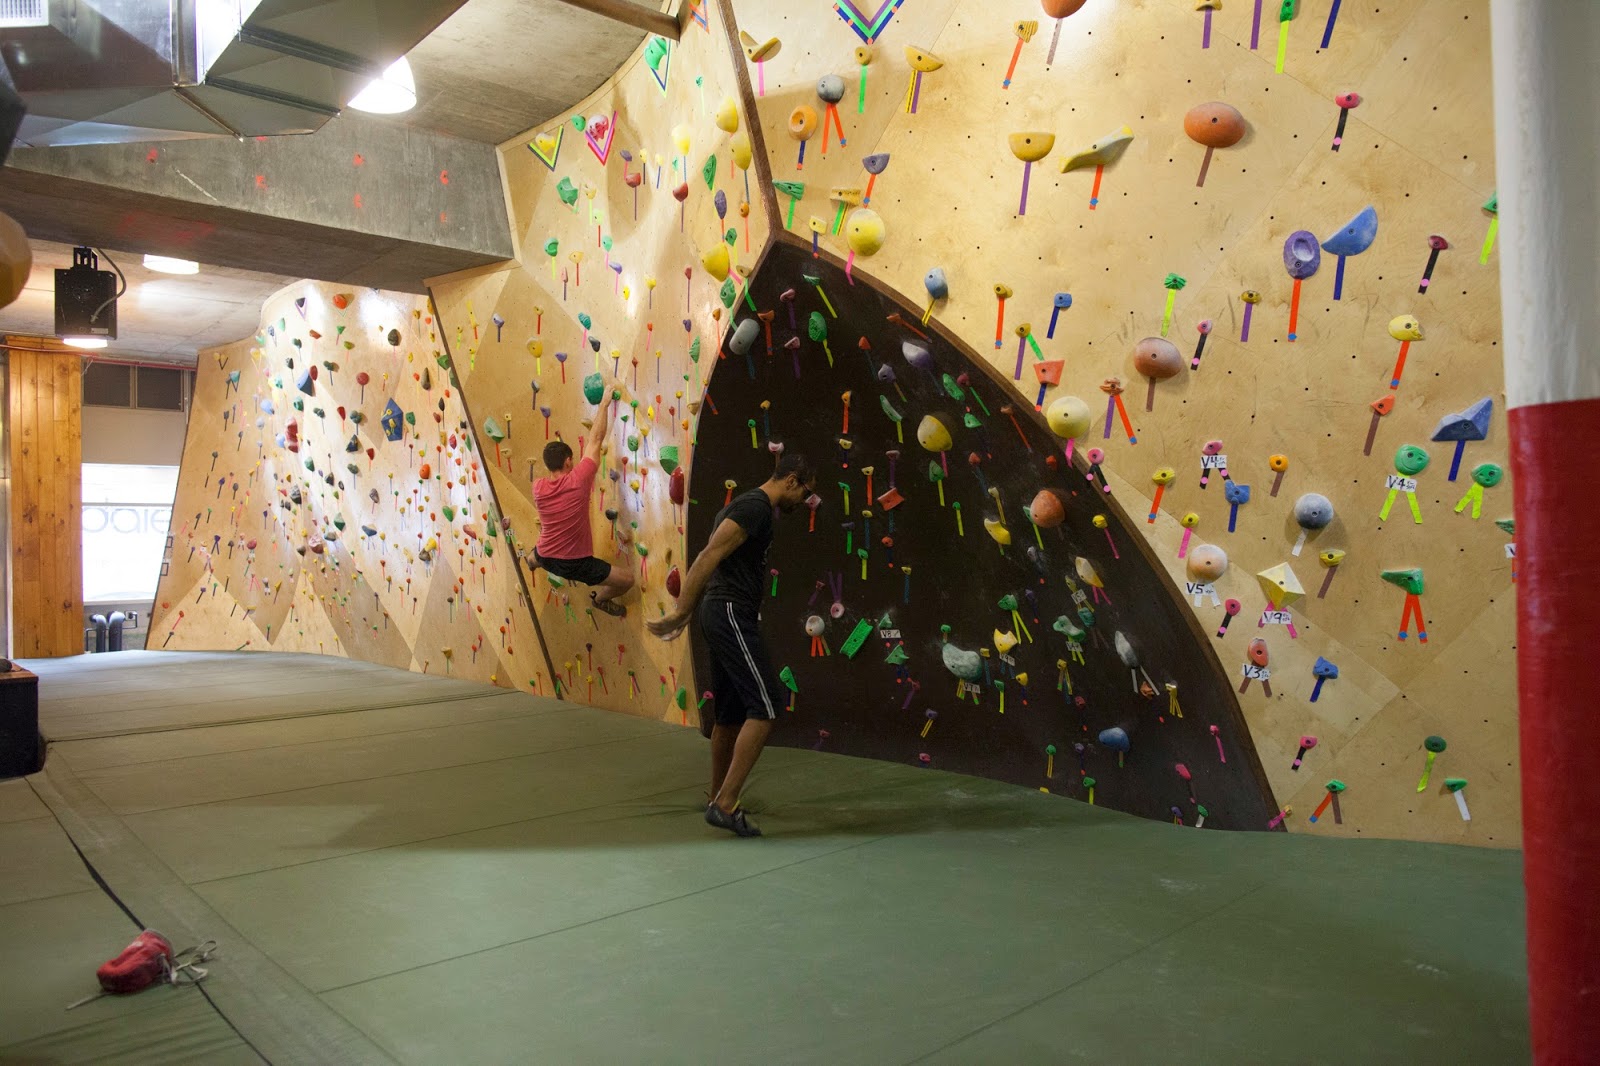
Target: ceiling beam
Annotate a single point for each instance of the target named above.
(630, 14)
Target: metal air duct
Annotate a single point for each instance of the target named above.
(108, 71)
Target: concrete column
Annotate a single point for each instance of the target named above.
(1547, 150)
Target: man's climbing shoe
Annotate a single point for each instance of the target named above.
(735, 823)
(611, 607)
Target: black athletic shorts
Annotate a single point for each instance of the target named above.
(590, 571)
(743, 684)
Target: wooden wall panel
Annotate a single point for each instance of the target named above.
(46, 441)
(340, 545)
(658, 333)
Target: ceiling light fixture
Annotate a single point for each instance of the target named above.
(391, 94)
(167, 265)
(92, 343)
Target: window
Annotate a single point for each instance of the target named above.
(108, 385)
(152, 388)
(127, 511)
(160, 390)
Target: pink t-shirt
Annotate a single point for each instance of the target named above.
(563, 503)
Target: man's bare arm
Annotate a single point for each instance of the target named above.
(602, 427)
(724, 541)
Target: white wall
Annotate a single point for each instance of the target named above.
(126, 435)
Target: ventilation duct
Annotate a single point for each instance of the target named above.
(107, 71)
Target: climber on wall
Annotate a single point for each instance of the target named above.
(566, 543)
(745, 691)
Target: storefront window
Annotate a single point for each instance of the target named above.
(127, 511)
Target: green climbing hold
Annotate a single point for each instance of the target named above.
(897, 656)
(1064, 626)
(786, 675)
(858, 637)
(594, 388)
(493, 430)
(654, 52)
(1008, 602)
(729, 293)
(669, 458)
(817, 327)
(971, 421)
(694, 350)
(567, 191)
(1410, 579)
(954, 389)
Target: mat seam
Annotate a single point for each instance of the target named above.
(111, 894)
(103, 823)
(479, 829)
(275, 717)
(615, 914)
(360, 780)
(1113, 964)
(279, 747)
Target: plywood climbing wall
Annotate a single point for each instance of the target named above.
(614, 209)
(332, 500)
(1143, 250)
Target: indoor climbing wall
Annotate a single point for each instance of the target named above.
(963, 595)
(637, 218)
(1298, 199)
(332, 500)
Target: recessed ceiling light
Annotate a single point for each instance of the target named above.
(168, 265)
(85, 342)
(391, 94)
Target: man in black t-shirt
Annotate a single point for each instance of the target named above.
(730, 573)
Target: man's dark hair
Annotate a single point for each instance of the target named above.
(798, 465)
(556, 454)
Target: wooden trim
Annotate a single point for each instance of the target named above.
(752, 116)
(494, 497)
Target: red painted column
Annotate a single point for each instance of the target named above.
(1546, 81)
(1558, 653)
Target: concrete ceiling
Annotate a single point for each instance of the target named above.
(497, 68)
(492, 71)
(162, 317)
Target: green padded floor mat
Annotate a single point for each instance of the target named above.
(466, 875)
